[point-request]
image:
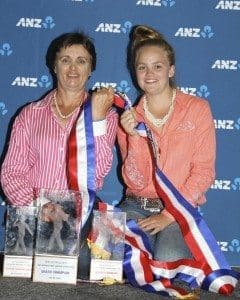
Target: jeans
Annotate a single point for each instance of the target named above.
(166, 245)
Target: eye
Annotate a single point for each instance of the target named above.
(158, 67)
(65, 60)
(81, 61)
(140, 68)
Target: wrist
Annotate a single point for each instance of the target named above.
(167, 214)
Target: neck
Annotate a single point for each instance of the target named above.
(65, 104)
(69, 98)
(159, 102)
(158, 116)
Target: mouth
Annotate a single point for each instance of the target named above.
(150, 81)
(72, 75)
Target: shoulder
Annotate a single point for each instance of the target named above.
(43, 103)
(34, 109)
(191, 103)
(38, 105)
(195, 110)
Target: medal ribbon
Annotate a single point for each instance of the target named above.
(208, 269)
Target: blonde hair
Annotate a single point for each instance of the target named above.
(143, 35)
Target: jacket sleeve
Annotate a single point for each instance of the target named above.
(202, 171)
(104, 137)
(136, 159)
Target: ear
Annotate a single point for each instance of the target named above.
(171, 71)
(55, 70)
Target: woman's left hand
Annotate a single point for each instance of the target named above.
(155, 223)
(102, 100)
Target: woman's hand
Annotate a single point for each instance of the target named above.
(156, 223)
(102, 100)
(128, 121)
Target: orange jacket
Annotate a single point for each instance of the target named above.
(187, 150)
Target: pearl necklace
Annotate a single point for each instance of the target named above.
(161, 121)
(59, 111)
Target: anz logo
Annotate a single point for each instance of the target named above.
(231, 5)
(114, 28)
(122, 87)
(233, 246)
(99, 84)
(226, 64)
(192, 32)
(3, 109)
(6, 49)
(32, 82)
(47, 23)
(227, 185)
(227, 124)
(201, 92)
(166, 3)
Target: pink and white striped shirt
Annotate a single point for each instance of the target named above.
(36, 156)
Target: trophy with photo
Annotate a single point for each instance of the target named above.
(57, 236)
(107, 245)
(19, 241)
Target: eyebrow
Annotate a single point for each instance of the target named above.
(155, 62)
(70, 56)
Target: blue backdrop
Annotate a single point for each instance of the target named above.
(205, 35)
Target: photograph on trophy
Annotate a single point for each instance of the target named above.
(20, 230)
(108, 233)
(58, 223)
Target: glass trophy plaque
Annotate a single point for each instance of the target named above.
(19, 241)
(107, 245)
(57, 237)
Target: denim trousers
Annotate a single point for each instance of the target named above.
(166, 245)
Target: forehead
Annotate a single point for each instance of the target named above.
(74, 51)
(147, 53)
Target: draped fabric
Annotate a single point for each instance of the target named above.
(208, 269)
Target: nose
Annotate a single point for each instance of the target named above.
(73, 66)
(149, 70)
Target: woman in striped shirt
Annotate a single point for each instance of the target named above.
(37, 152)
(36, 156)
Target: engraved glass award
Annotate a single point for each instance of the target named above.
(107, 245)
(19, 241)
(57, 237)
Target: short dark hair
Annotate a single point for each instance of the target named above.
(66, 40)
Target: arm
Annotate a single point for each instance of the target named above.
(135, 152)
(104, 130)
(138, 173)
(203, 161)
(16, 166)
(104, 135)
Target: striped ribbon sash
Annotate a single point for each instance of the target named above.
(208, 269)
(81, 160)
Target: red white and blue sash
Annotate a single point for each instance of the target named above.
(81, 160)
(208, 269)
